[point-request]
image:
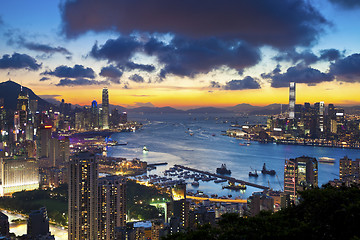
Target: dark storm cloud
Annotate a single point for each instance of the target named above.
(44, 79)
(279, 23)
(18, 61)
(112, 73)
(136, 78)
(181, 56)
(349, 4)
(298, 74)
(46, 48)
(116, 50)
(187, 57)
(307, 57)
(347, 69)
(293, 56)
(78, 71)
(214, 84)
(80, 82)
(142, 67)
(246, 83)
(330, 54)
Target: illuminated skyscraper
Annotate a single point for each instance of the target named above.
(292, 100)
(83, 198)
(112, 208)
(299, 174)
(105, 108)
(94, 115)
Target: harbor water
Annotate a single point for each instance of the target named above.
(197, 141)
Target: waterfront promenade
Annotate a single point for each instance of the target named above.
(224, 177)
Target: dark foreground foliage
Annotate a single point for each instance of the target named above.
(139, 198)
(54, 200)
(326, 213)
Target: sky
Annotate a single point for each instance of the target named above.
(183, 53)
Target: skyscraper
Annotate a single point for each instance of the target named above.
(38, 225)
(112, 208)
(83, 198)
(292, 100)
(300, 173)
(105, 108)
(94, 115)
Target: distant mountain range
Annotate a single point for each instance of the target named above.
(10, 90)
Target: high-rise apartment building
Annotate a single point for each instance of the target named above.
(292, 100)
(38, 225)
(299, 174)
(105, 108)
(83, 197)
(349, 170)
(111, 206)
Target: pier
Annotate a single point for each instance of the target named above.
(223, 177)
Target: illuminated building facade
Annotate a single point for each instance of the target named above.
(83, 197)
(349, 170)
(105, 108)
(299, 174)
(292, 100)
(178, 209)
(94, 115)
(112, 206)
(18, 174)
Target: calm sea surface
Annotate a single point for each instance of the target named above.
(167, 136)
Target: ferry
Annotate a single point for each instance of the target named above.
(326, 160)
(145, 150)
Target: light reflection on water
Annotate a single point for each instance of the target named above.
(167, 136)
(20, 229)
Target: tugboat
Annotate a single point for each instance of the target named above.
(251, 174)
(265, 171)
(223, 170)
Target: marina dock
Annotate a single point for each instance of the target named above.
(223, 177)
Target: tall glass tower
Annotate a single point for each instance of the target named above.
(292, 100)
(105, 108)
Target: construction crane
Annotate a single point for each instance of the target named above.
(279, 183)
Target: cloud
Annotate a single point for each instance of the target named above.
(140, 104)
(214, 84)
(136, 78)
(142, 67)
(279, 23)
(330, 54)
(187, 57)
(45, 48)
(307, 57)
(80, 82)
(347, 69)
(298, 74)
(44, 79)
(116, 50)
(347, 4)
(246, 83)
(112, 73)
(78, 71)
(19, 61)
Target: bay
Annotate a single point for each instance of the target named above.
(195, 141)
